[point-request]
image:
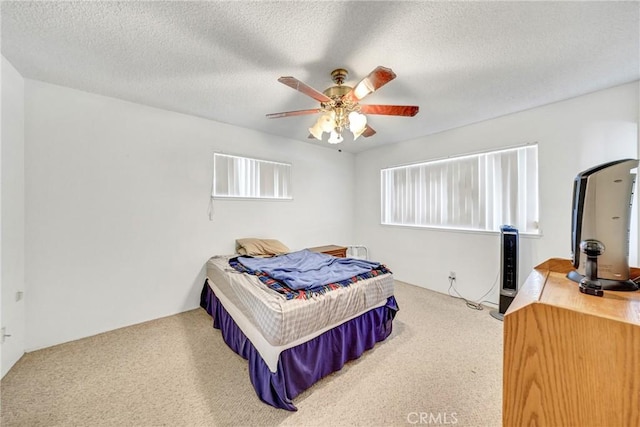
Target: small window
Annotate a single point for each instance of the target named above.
(243, 177)
(473, 192)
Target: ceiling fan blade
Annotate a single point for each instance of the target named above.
(390, 110)
(368, 131)
(374, 81)
(293, 113)
(296, 84)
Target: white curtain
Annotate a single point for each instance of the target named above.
(476, 192)
(243, 177)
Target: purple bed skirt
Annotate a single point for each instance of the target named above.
(303, 365)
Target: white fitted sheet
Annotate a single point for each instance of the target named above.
(272, 323)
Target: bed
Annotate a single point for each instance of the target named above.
(294, 337)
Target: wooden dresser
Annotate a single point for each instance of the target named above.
(339, 251)
(570, 359)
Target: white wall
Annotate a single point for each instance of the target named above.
(117, 194)
(116, 198)
(572, 136)
(12, 215)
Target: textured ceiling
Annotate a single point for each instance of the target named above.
(461, 62)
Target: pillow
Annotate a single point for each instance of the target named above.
(259, 247)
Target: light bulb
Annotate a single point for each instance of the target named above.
(328, 121)
(316, 129)
(357, 123)
(335, 138)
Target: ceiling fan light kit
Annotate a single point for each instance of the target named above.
(339, 106)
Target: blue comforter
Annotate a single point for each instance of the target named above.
(306, 270)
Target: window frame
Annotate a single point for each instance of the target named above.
(289, 184)
(535, 231)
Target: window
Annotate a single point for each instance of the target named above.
(474, 192)
(242, 177)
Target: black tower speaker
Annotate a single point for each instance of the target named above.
(508, 269)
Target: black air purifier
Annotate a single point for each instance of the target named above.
(508, 269)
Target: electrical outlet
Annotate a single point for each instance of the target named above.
(452, 275)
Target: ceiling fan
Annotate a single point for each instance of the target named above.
(340, 105)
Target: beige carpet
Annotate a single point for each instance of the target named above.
(443, 362)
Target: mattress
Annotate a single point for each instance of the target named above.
(274, 323)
